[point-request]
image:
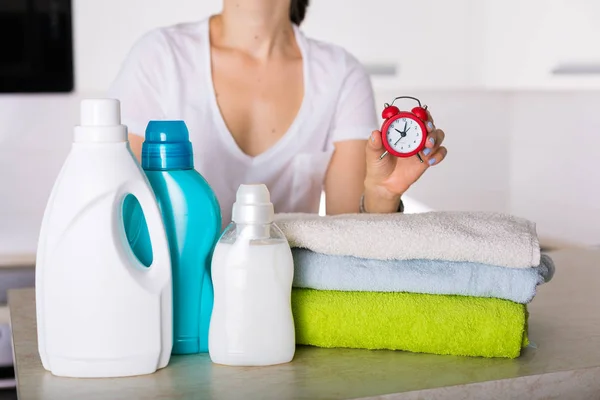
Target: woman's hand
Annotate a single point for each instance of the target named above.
(389, 178)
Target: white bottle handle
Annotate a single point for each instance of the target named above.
(156, 276)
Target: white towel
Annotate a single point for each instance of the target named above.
(483, 237)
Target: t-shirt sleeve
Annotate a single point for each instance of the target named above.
(355, 116)
(139, 83)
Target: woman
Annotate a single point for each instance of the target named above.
(265, 104)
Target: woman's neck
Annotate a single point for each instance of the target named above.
(260, 28)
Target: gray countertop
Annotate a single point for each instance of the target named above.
(564, 325)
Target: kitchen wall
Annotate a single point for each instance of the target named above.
(554, 161)
(521, 139)
(105, 31)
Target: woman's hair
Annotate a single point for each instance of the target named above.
(298, 10)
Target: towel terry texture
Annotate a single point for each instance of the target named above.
(346, 273)
(421, 323)
(483, 237)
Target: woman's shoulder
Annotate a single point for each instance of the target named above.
(187, 35)
(186, 31)
(332, 58)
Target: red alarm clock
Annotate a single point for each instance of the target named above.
(404, 133)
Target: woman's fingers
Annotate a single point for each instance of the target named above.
(434, 141)
(433, 151)
(436, 138)
(430, 123)
(436, 156)
(429, 117)
(430, 126)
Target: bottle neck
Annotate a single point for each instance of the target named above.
(100, 134)
(98, 146)
(254, 231)
(256, 214)
(167, 156)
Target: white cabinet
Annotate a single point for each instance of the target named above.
(497, 44)
(430, 43)
(541, 44)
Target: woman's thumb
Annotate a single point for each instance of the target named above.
(377, 167)
(375, 146)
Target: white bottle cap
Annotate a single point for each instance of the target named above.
(100, 121)
(253, 205)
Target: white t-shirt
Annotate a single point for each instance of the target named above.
(167, 75)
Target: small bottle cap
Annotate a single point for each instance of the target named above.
(167, 146)
(100, 121)
(253, 205)
(100, 112)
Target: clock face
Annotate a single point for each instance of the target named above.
(404, 135)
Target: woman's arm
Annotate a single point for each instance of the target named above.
(345, 182)
(345, 176)
(135, 144)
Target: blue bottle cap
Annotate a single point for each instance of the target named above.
(167, 146)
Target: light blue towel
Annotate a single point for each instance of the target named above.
(346, 273)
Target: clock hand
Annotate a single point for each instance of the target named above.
(402, 134)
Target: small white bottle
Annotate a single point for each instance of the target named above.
(100, 312)
(252, 271)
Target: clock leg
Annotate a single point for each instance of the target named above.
(383, 155)
(420, 159)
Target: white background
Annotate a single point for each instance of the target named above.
(521, 139)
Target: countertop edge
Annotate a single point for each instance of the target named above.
(576, 383)
(17, 260)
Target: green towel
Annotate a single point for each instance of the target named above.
(422, 323)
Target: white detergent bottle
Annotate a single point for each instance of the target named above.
(100, 312)
(252, 270)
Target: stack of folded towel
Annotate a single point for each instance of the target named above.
(438, 282)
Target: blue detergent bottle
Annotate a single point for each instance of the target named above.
(192, 218)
